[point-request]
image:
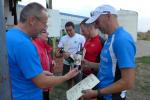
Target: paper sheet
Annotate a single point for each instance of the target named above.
(88, 83)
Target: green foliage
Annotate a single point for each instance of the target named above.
(145, 59)
(144, 36)
(148, 31)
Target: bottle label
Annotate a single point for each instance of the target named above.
(78, 59)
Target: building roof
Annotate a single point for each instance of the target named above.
(72, 15)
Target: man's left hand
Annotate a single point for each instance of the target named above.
(89, 94)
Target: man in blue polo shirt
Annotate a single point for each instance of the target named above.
(117, 66)
(27, 76)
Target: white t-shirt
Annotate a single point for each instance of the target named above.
(71, 44)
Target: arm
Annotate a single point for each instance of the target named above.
(60, 45)
(44, 80)
(126, 82)
(58, 54)
(29, 64)
(63, 54)
(86, 63)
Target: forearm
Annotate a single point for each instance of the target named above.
(126, 82)
(114, 88)
(43, 81)
(93, 65)
(54, 80)
(58, 55)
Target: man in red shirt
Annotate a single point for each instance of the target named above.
(92, 47)
(44, 51)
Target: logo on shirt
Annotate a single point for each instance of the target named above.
(75, 41)
(104, 59)
(92, 45)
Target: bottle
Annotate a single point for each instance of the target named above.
(61, 50)
(70, 59)
(78, 57)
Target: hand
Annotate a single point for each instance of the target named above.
(58, 54)
(89, 94)
(66, 55)
(47, 73)
(84, 63)
(53, 63)
(72, 73)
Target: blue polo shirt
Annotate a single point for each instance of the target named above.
(24, 64)
(119, 49)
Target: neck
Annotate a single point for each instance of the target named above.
(24, 28)
(43, 40)
(94, 33)
(113, 26)
(72, 35)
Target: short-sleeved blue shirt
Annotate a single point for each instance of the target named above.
(24, 64)
(119, 49)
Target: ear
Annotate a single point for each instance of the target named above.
(31, 20)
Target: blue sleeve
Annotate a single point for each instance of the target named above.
(125, 53)
(28, 60)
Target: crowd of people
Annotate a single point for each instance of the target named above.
(31, 64)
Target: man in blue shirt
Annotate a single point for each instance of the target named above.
(27, 77)
(117, 60)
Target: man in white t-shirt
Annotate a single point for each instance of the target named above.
(71, 44)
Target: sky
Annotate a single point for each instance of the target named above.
(83, 8)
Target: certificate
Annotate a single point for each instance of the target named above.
(88, 83)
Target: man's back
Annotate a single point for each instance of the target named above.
(24, 64)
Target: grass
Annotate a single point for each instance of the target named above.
(144, 36)
(145, 60)
(142, 83)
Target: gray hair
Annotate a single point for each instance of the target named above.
(32, 9)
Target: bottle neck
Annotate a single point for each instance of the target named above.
(80, 48)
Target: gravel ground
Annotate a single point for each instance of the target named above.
(143, 48)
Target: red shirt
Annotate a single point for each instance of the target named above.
(44, 51)
(93, 47)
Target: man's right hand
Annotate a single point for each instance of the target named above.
(66, 55)
(47, 73)
(72, 73)
(84, 63)
(58, 54)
